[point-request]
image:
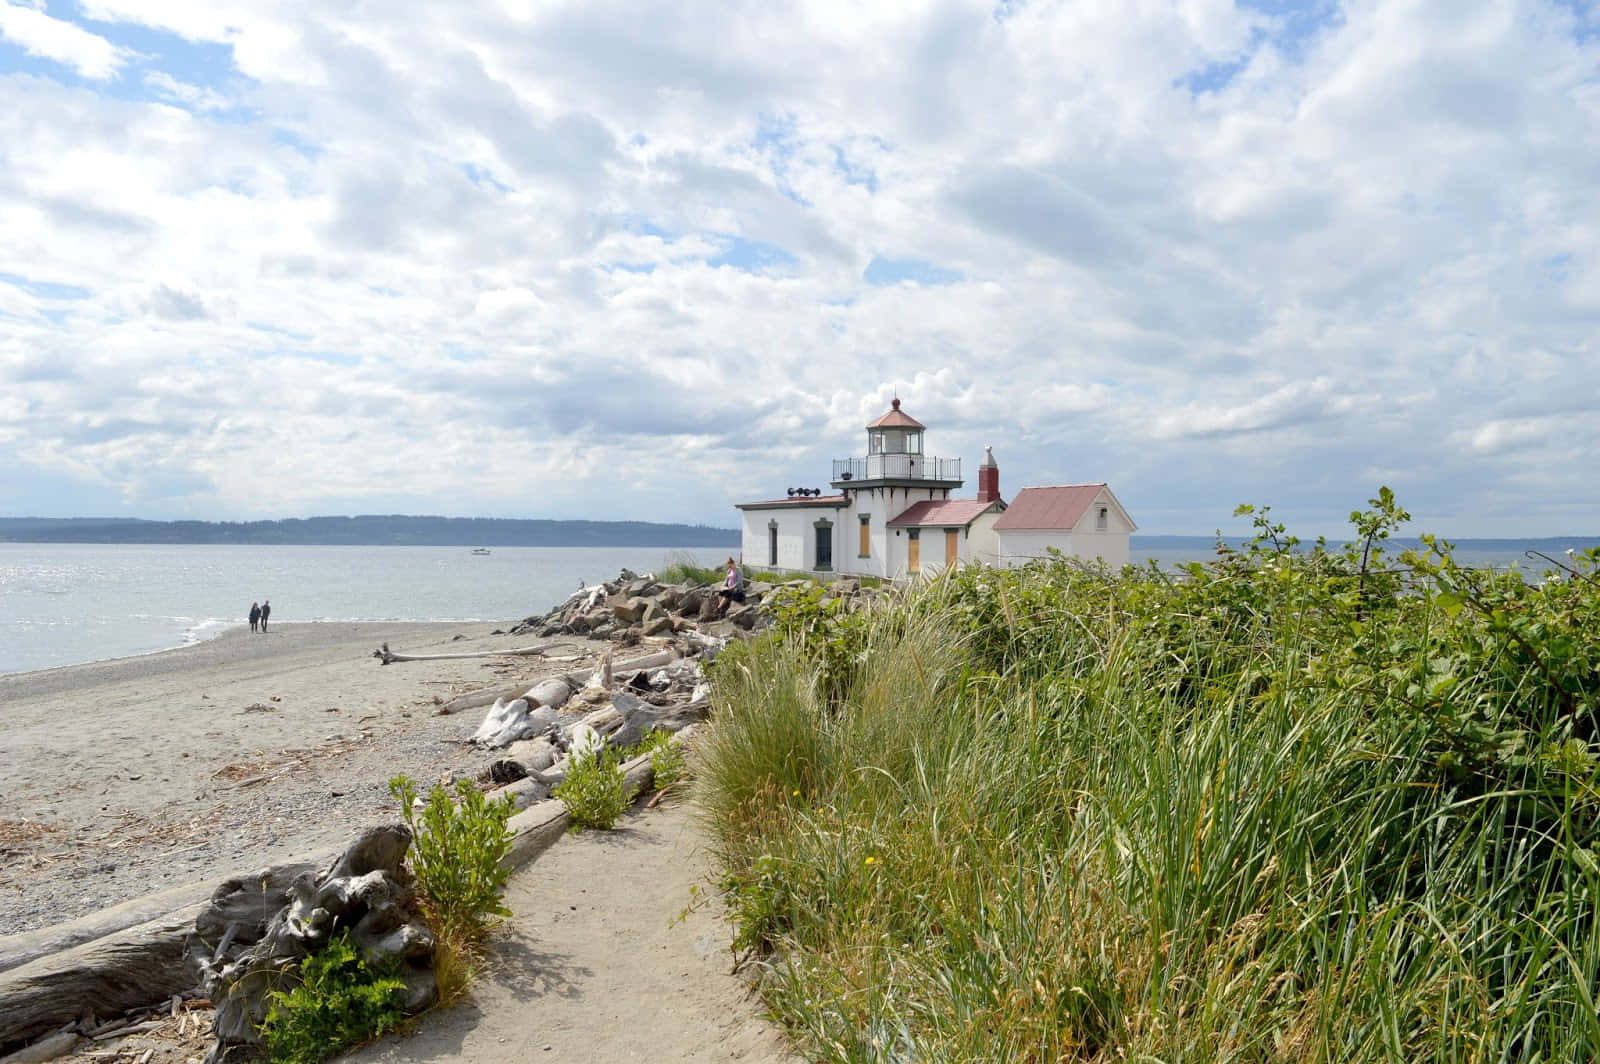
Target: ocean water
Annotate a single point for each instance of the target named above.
(68, 603)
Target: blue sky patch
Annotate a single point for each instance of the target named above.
(853, 174)
(882, 271)
(482, 178)
(44, 289)
(1296, 23)
(1215, 77)
(752, 256)
(209, 66)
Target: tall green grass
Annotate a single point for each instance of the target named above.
(1289, 807)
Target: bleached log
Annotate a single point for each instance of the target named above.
(120, 958)
(387, 657)
(112, 974)
(485, 697)
(649, 661)
(490, 695)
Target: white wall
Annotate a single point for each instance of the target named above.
(796, 536)
(1016, 548)
(983, 542)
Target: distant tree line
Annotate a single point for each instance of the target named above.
(369, 530)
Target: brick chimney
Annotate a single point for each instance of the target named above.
(988, 477)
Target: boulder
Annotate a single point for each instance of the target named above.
(657, 625)
(631, 611)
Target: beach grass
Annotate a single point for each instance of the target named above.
(1292, 805)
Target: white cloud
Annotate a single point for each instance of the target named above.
(606, 260)
(28, 26)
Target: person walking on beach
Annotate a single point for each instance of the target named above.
(266, 611)
(732, 589)
(255, 616)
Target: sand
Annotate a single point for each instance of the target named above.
(121, 778)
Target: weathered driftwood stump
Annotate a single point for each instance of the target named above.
(257, 930)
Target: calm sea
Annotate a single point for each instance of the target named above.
(67, 603)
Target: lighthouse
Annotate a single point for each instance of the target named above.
(892, 513)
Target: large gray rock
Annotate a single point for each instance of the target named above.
(631, 611)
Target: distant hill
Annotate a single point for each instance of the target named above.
(369, 530)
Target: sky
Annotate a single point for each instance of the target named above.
(271, 258)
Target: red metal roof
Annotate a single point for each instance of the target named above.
(946, 512)
(1048, 508)
(896, 419)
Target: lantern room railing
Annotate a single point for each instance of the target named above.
(896, 467)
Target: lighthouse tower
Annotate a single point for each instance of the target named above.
(894, 475)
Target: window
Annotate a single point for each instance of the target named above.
(1100, 520)
(772, 544)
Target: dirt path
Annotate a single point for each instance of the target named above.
(597, 966)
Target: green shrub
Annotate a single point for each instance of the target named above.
(339, 1002)
(1299, 803)
(594, 791)
(669, 764)
(456, 854)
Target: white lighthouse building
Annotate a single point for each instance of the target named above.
(891, 514)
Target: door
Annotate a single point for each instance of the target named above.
(950, 536)
(914, 558)
(825, 547)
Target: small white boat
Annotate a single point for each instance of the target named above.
(480, 550)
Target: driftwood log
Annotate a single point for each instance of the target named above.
(152, 959)
(388, 657)
(108, 962)
(489, 695)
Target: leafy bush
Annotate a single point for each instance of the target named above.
(669, 764)
(594, 791)
(457, 853)
(339, 1002)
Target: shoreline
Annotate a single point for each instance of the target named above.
(221, 628)
(126, 776)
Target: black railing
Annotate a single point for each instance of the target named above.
(896, 467)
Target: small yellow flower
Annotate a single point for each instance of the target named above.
(796, 792)
(872, 860)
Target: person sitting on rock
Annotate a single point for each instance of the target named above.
(732, 589)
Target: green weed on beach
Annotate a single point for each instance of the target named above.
(1297, 803)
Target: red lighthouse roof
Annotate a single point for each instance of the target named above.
(896, 418)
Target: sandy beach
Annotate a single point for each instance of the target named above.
(121, 778)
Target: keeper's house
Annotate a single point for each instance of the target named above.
(892, 514)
